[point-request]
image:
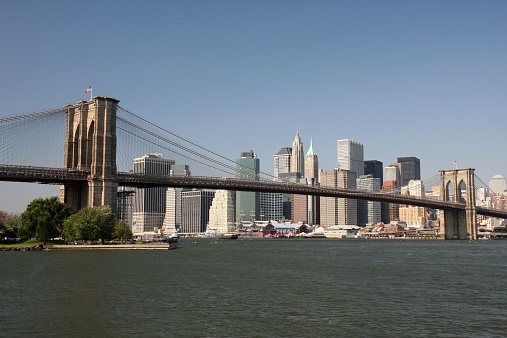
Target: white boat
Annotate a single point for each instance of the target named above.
(173, 238)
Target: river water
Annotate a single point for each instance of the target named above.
(260, 288)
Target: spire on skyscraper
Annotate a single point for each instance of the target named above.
(297, 161)
(310, 150)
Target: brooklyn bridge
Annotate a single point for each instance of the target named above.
(98, 140)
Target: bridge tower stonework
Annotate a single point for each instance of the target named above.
(90, 145)
(458, 224)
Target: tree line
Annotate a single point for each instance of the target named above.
(48, 218)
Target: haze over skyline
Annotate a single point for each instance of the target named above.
(405, 78)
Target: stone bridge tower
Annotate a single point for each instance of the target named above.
(458, 185)
(90, 145)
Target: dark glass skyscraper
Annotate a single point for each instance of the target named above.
(410, 169)
(375, 168)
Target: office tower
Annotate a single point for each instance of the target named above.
(287, 198)
(282, 161)
(195, 205)
(149, 203)
(391, 184)
(497, 185)
(247, 202)
(222, 216)
(172, 219)
(351, 156)
(368, 212)
(271, 206)
(409, 213)
(299, 208)
(392, 213)
(375, 168)
(410, 169)
(414, 188)
(312, 164)
(338, 211)
(392, 173)
(297, 158)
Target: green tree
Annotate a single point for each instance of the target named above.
(90, 224)
(43, 218)
(11, 223)
(122, 231)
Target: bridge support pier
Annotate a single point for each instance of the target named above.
(459, 224)
(90, 145)
(458, 186)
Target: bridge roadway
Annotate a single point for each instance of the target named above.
(64, 176)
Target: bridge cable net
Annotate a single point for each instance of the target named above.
(488, 198)
(34, 139)
(138, 137)
(417, 190)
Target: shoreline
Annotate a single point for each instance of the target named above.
(162, 246)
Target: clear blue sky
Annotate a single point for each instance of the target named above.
(406, 78)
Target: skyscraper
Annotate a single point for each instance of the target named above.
(221, 213)
(312, 164)
(497, 185)
(410, 169)
(271, 206)
(368, 212)
(149, 203)
(338, 211)
(297, 160)
(391, 184)
(195, 205)
(247, 202)
(375, 168)
(282, 161)
(312, 178)
(351, 156)
(172, 220)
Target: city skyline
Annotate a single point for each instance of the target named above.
(405, 79)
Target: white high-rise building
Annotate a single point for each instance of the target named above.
(172, 220)
(149, 203)
(351, 156)
(414, 188)
(392, 173)
(221, 213)
(410, 213)
(497, 185)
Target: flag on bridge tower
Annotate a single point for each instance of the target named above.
(89, 90)
(455, 164)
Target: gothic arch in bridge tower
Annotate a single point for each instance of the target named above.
(90, 145)
(458, 186)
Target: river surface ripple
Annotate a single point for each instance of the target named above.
(260, 288)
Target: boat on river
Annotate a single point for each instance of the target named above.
(228, 236)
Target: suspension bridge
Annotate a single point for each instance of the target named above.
(98, 140)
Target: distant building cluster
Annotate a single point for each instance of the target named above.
(158, 211)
